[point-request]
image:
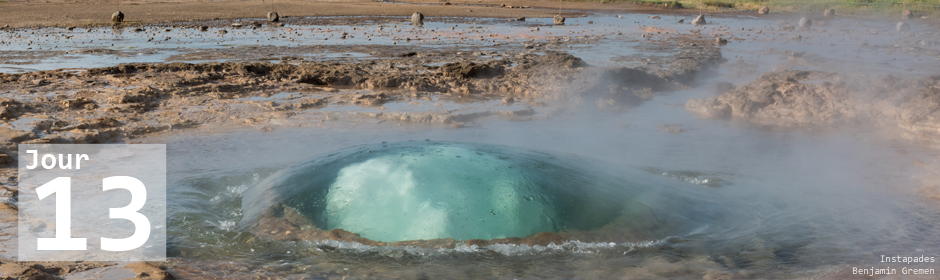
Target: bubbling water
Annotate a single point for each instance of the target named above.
(422, 190)
(441, 192)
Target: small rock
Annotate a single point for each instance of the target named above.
(590, 22)
(70, 28)
(509, 100)
(721, 41)
(520, 19)
(655, 17)
(117, 17)
(279, 24)
(417, 18)
(223, 31)
(670, 128)
(681, 21)
(273, 17)
(139, 29)
(237, 25)
(907, 15)
(5, 158)
(829, 13)
(700, 19)
(763, 10)
(559, 20)
(723, 87)
(903, 27)
(805, 22)
(447, 4)
(203, 28)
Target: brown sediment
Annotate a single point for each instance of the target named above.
(43, 270)
(101, 105)
(150, 271)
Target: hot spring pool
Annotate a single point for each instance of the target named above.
(554, 199)
(423, 190)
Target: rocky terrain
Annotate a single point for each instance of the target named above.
(102, 105)
(814, 98)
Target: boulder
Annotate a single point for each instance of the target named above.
(829, 13)
(117, 17)
(805, 23)
(472, 70)
(559, 20)
(700, 19)
(417, 18)
(903, 27)
(907, 15)
(763, 10)
(273, 17)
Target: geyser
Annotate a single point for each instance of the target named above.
(423, 190)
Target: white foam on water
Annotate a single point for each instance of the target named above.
(403, 197)
(567, 247)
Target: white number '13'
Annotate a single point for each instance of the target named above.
(63, 240)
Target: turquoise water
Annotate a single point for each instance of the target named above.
(422, 190)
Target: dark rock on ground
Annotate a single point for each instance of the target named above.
(903, 27)
(723, 87)
(805, 22)
(472, 70)
(907, 15)
(117, 17)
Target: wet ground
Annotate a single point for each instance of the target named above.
(805, 198)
